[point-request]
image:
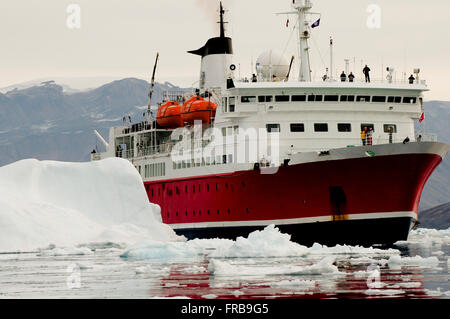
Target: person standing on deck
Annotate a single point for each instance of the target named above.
(363, 136)
(366, 71)
(351, 77)
(369, 136)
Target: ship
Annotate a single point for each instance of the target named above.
(333, 161)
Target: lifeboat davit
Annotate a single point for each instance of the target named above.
(168, 115)
(196, 108)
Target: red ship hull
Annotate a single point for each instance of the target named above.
(358, 200)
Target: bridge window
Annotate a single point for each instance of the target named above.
(320, 127)
(363, 98)
(409, 100)
(297, 127)
(394, 99)
(347, 98)
(379, 99)
(248, 99)
(331, 98)
(265, 98)
(298, 98)
(282, 98)
(315, 98)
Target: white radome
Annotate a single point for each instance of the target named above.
(272, 62)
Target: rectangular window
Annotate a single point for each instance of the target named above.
(273, 128)
(298, 98)
(320, 127)
(367, 127)
(282, 98)
(314, 98)
(225, 104)
(297, 127)
(394, 99)
(331, 98)
(363, 98)
(408, 100)
(390, 127)
(248, 99)
(232, 103)
(379, 99)
(265, 98)
(344, 127)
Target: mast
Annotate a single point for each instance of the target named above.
(303, 7)
(331, 59)
(152, 84)
(222, 29)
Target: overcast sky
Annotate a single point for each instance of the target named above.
(119, 38)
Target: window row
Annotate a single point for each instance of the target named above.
(323, 127)
(194, 188)
(155, 169)
(325, 98)
(207, 161)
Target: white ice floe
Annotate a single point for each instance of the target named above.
(49, 202)
(66, 251)
(194, 269)
(437, 293)
(396, 262)
(152, 249)
(219, 267)
(351, 250)
(427, 238)
(269, 242)
(384, 292)
(237, 293)
(412, 284)
(294, 284)
(152, 270)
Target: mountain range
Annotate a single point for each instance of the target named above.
(48, 121)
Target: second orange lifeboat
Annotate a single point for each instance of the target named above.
(196, 108)
(168, 115)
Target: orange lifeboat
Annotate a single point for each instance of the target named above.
(168, 115)
(196, 108)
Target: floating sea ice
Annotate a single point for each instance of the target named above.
(160, 250)
(150, 269)
(384, 292)
(349, 250)
(194, 269)
(269, 242)
(66, 251)
(395, 262)
(237, 293)
(295, 283)
(224, 268)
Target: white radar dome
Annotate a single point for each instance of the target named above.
(270, 63)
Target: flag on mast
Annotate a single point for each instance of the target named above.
(422, 116)
(315, 24)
